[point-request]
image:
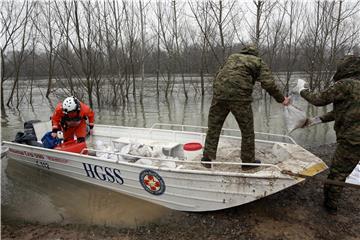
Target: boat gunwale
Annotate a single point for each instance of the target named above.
(152, 128)
(225, 129)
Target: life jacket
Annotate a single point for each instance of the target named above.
(59, 118)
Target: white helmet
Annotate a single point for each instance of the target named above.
(70, 104)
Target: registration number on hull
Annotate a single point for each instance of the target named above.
(42, 164)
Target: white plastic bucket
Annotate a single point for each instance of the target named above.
(192, 150)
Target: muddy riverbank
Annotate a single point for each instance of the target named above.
(295, 213)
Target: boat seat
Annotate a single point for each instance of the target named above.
(167, 147)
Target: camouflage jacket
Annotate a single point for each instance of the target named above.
(345, 96)
(235, 80)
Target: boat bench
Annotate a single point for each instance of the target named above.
(169, 148)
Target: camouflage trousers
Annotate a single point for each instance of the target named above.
(345, 159)
(244, 117)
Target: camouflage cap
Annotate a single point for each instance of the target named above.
(250, 49)
(348, 67)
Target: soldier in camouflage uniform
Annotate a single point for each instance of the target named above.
(345, 96)
(232, 90)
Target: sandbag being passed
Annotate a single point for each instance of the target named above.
(294, 118)
(354, 177)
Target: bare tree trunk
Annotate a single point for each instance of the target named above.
(203, 61)
(142, 54)
(18, 61)
(334, 48)
(177, 54)
(51, 49)
(264, 9)
(11, 21)
(2, 71)
(205, 28)
(218, 12)
(313, 56)
(33, 71)
(158, 59)
(168, 44)
(202, 81)
(84, 49)
(259, 6)
(294, 36)
(130, 26)
(64, 53)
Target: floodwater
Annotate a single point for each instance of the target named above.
(33, 195)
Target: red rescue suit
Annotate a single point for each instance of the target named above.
(73, 123)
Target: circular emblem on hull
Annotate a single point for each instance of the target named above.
(152, 182)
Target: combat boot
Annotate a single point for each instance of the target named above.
(330, 207)
(206, 161)
(248, 167)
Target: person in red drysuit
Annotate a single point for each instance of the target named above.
(70, 117)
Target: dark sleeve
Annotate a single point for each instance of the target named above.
(328, 117)
(337, 92)
(267, 82)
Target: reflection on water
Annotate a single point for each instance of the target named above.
(34, 195)
(39, 196)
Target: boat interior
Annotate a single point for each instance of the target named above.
(175, 146)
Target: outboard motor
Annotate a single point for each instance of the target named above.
(28, 136)
(29, 127)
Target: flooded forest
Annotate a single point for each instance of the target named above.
(110, 53)
(142, 62)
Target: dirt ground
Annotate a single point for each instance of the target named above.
(295, 213)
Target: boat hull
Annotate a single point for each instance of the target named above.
(184, 190)
(181, 184)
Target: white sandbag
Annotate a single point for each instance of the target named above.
(105, 152)
(144, 161)
(354, 177)
(157, 152)
(294, 118)
(125, 151)
(140, 150)
(103, 149)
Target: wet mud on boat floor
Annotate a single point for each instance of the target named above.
(295, 213)
(229, 151)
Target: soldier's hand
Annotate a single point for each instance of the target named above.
(312, 121)
(286, 102)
